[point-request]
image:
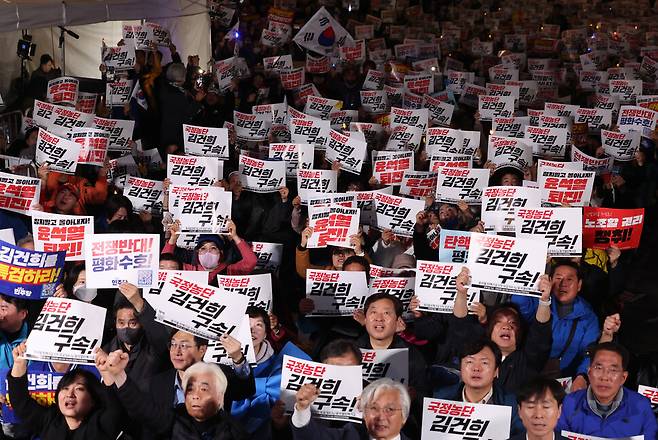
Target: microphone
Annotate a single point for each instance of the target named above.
(71, 33)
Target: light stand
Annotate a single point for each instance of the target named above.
(62, 44)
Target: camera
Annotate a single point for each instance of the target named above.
(25, 48)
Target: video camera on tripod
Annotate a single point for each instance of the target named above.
(25, 48)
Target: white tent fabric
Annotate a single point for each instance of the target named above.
(190, 34)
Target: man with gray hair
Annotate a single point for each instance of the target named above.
(384, 404)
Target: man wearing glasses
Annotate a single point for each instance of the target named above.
(606, 408)
(385, 406)
(185, 350)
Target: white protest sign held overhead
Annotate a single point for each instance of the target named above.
(332, 225)
(120, 131)
(118, 93)
(335, 293)
(348, 150)
(311, 182)
(262, 176)
(566, 187)
(55, 232)
(63, 90)
(506, 264)
(418, 184)
(19, 194)
(392, 363)
(216, 353)
(339, 388)
(60, 154)
(296, 156)
(436, 286)
(201, 209)
(269, 255)
(388, 167)
(400, 287)
(499, 203)
(144, 194)
(560, 227)
(449, 420)
(194, 170)
(200, 309)
(457, 184)
(310, 131)
(506, 151)
(112, 259)
(206, 141)
(257, 288)
(93, 145)
(620, 146)
(397, 213)
(491, 107)
(66, 331)
(546, 142)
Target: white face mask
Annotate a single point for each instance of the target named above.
(84, 294)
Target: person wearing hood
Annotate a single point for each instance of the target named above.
(145, 341)
(209, 253)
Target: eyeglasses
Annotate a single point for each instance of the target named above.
(387, 410)
(184, 346)
(599, 370)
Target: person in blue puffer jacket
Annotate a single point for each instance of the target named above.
(606, 408)
(571, 314)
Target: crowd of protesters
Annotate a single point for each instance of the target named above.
(150, 381)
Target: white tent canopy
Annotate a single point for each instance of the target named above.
(95, 22)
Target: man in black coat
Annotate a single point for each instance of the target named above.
(185, 350)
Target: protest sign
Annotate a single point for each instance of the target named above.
(418, 184)
(159, 33)
(415, 118)
(225, 71)
(317, 65)
(119, 57)
(217, 354)
(605, 227)
(392, 363)
(620, 146)
(348, 150)
(200, 309)
(60, 154)
(141, 36)
(112, 259)
(505, 151)
(650, 393)
(63, 90)
(435, 286)
(422, 83)
(513, 127)
(444, 141)
(257, 288)
(311, 182)
(388, 167)
(7, 235)
(335, 293)
(557, 109)
(374, 101)
(626, 89)
(636, 118)
(121, 132)
(153, 296)
(296, 156)
(194, 170)
(453, 246)
(67, 330)
(561, 228)
(144, 194)
(491, 107)
(598, 165)
(565, 187)
(450, 161)
(451, 420)
(339, 387)
(251, 127)
(41, 387)
(55, 232)
(457, 184)
(575, 436)
(206, 141)
(499, 203)
(293, 78)
(262, 176)
(269, 255)
(332, 225)
(440, 112)
(201, 209)
(27, 274)
(93, 145)
(558, 166)
(595, 118)
(277, 63)
(400, 287)
(397, 213)
(342, 119)
(374, 80)
(546, 142)
(310, 131)
(117, 93)
(404, 137)
(19, 194)
(527, 91)
(61, 120)
(321, 107)
(506, 264)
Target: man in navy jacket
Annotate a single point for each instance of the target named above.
(606, 408)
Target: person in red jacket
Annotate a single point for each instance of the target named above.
(209, 255)
(87, 193)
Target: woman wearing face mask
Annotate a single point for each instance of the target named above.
(75, 284)
(83, 409)
(209, 253)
